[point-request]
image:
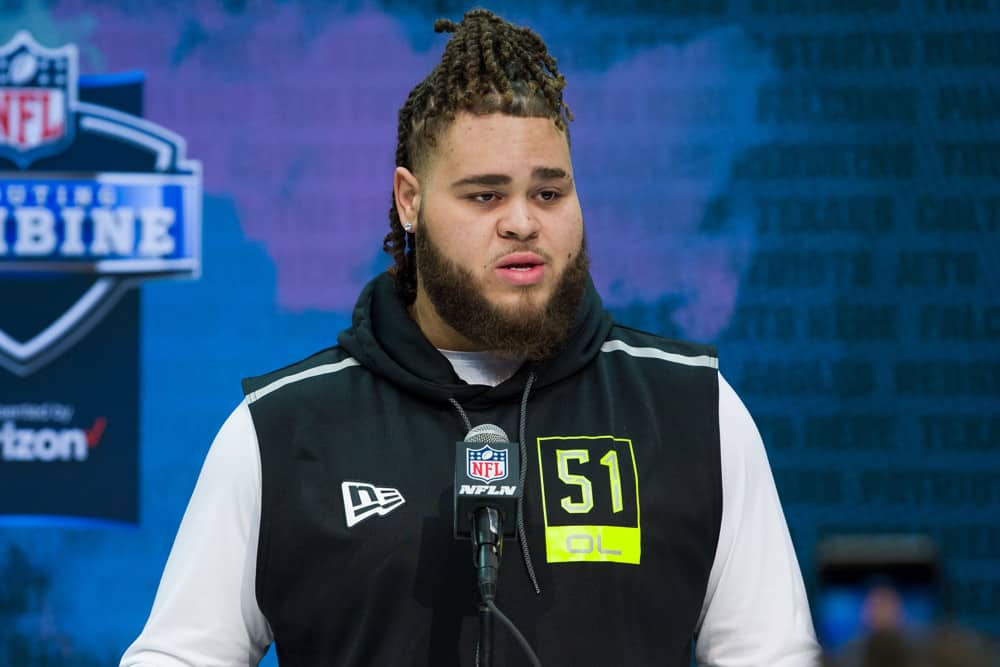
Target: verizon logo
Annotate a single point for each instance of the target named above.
(49, 444)
(362, 500)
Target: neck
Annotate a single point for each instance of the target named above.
(436, 330)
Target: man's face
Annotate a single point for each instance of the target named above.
(499, 235)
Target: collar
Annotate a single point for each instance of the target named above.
(385, 339)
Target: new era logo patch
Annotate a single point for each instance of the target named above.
(362, 500)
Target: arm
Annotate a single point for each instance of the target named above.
(206, 612)
(755, 611)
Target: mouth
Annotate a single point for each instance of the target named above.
(521, 268)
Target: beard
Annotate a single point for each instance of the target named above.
(526, 330)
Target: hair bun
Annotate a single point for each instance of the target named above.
(445, 25)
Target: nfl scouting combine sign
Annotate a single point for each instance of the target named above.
(93, 199)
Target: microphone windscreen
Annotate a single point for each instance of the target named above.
(486, 433)
(487, 469)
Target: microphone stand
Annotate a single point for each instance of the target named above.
(487, 546)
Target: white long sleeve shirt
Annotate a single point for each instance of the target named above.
(755, 612)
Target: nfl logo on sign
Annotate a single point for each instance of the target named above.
(487, 464)
(37, 92)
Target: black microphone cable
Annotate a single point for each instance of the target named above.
(487, 539)
(514, 631)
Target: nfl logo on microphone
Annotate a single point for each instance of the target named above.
(486, 464)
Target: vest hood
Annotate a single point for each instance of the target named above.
(386, 340)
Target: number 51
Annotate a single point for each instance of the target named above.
(586, 503)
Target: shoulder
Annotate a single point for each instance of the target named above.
(680, 374)
(303, 375)
(634, 346)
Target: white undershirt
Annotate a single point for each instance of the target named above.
(481, 367)
(755, 612)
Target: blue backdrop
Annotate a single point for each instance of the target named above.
(812, 186)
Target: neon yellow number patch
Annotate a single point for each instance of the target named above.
(590, 499)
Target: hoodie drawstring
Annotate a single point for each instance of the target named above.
(461, 413)
(522, 433)
(525, 553)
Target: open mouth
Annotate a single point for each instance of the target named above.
(523, 268)
(520, 261)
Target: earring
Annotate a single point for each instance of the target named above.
(408, 226)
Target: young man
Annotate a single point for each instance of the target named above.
(322, 520)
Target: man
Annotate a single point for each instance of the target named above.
(322, 520)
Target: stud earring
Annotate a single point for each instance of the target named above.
(408, 226)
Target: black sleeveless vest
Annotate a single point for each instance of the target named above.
(623, 499)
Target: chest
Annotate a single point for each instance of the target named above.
(622, 500)
(612, 470)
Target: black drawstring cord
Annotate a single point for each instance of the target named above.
(461, 413)
(522, 435)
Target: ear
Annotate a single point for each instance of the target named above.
(406, 190)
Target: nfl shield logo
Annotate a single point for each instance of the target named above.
(37, 98)
(486, 464)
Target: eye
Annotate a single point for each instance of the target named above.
(483, 197)
(549, 195)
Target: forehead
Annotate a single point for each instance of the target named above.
(499, 144)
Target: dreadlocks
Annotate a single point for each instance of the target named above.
(488, 66)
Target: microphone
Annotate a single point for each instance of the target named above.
(487, 489)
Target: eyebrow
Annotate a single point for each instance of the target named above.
(483, 179)
(548, 173)
(537, 174)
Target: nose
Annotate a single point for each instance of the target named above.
(518, 222)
